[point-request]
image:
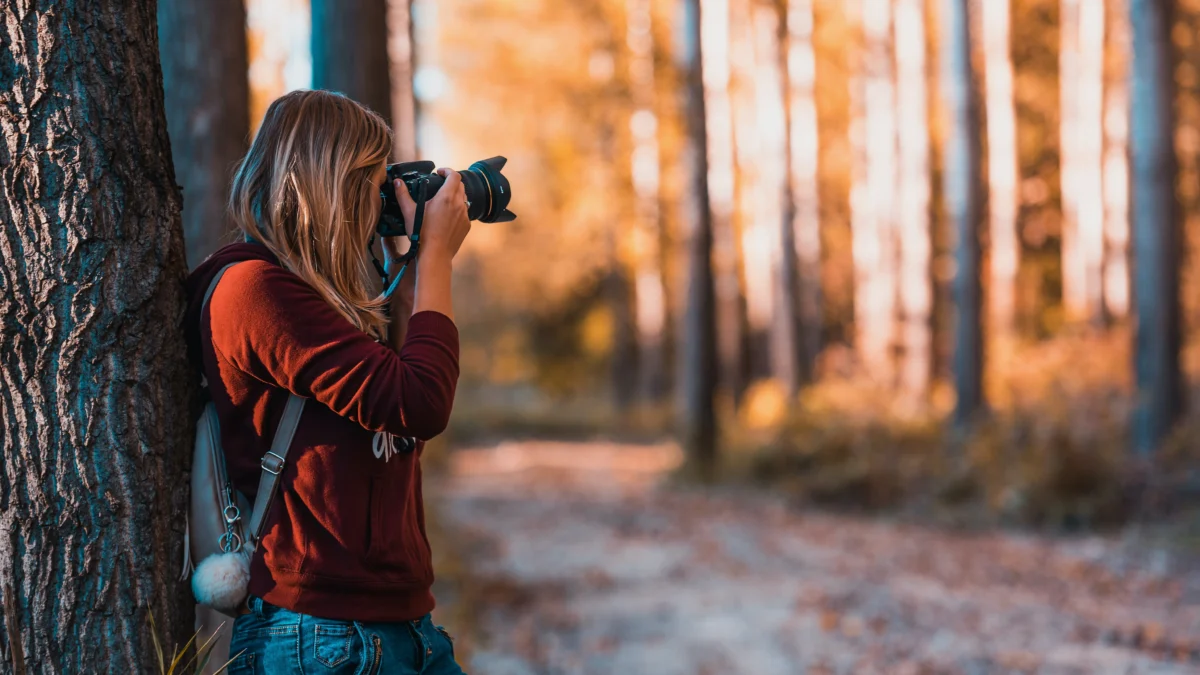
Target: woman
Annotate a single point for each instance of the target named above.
(340, 582)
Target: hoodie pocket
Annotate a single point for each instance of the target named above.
(396, 548)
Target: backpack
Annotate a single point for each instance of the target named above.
(218, 535)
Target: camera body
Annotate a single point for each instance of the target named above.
(488, 193)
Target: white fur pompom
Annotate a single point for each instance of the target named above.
(220, 581)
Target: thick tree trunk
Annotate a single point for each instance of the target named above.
(874, 238)
(698, 365)
(914, 231)
(1003, 199)
(963, 207)
(796, 337)
(1116, 164)
(650, 309)
(402, 54)
(350, 51)
(208, 110)
(1156, 235)
(95, 393)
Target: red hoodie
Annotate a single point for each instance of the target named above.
(345, 538)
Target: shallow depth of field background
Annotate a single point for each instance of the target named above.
(561, 470)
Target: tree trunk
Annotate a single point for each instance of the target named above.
(721, 189)
(1116, 164)
(796, 337)
(915, 240)
(699, 355)
(1003, 199)
(874, 235)
(1156, 235)
(208, 110)
(758, 122)
(650, 309)
(350, 51)
(961, 192)
(96, 389)
(1081, 78)
(402, 55)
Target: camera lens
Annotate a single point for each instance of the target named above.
(488, 191)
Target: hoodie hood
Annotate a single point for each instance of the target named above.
(199, 280)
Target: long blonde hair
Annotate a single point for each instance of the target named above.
(306, 191)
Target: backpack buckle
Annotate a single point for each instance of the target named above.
(272, 463)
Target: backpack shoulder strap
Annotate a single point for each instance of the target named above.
(273, 462)
(272, 466)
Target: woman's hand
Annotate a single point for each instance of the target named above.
(395, 247)
(446, 222)
(445, 226)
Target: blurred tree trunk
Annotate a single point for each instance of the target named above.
(874, 236)
(1116, 163)
(1081, 78)
(963, 205)
(208, 110)
(350, 51)
(1003, 174)
(96, 386)
(759, 135)
(1156, 233)
(796, 335)
(402, 56)
(722, 179)
(698, 365)
(914, 231)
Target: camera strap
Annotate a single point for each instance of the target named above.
(414, 241)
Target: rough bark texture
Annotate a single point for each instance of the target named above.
(350, 51)
(699, 354)
(963, 207)
(94, 394)
(208, 110)
(1156, 237)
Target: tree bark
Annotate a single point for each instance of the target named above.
(1003, 199)
(963, 207)
(402, 54)
(914, 231)
(1156, 232)
(205, 68)
(95, 394)
(698, 366)
(350, 51)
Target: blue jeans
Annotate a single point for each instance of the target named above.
(272, 640)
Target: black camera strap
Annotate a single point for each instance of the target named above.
(414, 241)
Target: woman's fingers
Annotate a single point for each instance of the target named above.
(407, 206)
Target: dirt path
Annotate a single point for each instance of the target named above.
(586, 563)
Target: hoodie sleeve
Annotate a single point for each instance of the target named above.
(272, 325)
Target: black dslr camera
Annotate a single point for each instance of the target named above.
(488, 194)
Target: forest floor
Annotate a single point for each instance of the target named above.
(586, 558)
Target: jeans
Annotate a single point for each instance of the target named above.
(272, 640)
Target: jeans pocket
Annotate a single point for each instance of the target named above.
(332, 644)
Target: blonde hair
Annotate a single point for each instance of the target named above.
(306, 191)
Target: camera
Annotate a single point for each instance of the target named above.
(488, 193)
